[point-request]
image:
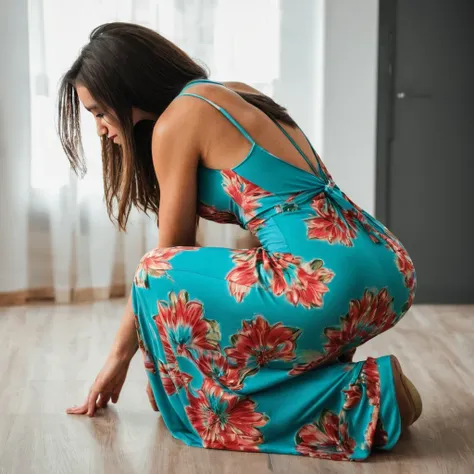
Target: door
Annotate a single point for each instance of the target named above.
(425, 148)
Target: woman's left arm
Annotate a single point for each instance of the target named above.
(175, 159)
(176, 151)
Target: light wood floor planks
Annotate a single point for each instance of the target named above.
(50, 354)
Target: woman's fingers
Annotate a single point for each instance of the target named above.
(103, 400)
(87, 406)
(106, 386)
(92, 402)
(151, 397)
(80, 410)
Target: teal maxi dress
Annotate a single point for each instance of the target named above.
(250, 350)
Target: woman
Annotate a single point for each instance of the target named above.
(245, 349)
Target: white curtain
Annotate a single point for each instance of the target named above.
(73, 251)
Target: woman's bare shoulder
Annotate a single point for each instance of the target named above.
(188, 119)
(241, 87)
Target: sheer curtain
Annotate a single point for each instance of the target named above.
(74, 252)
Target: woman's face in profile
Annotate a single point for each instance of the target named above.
(106, 122)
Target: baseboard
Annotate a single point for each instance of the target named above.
(79, 295)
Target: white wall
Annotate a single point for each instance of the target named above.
(14, 143)
(328, 81)
(300, 84)
(350, 96)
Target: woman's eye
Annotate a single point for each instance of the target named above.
(99, 115)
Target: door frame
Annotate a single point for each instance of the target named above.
(385, 106)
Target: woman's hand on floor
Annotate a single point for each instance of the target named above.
(107, 386)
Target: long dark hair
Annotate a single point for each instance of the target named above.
(123, 66)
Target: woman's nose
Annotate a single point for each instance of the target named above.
(101, 130)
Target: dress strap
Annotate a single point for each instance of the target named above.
(322, 173)
(317, 172)
(200, 81)
(222, 111)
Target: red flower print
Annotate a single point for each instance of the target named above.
(370, 376)
(213, 214)
(224, 420)
(375, 435)
(301, 368)
(370, 433)
(256, 265)
(156, 264)
(404, 264)
(244, 275)
(334, 225)
(215, 365)
(166, 380)
(170, 356)
(326, 438)
(244, 193)
(147, 359)
(411, 285)
(402, 259)
(182, 327)
(310, 284)
(353, 396)
(366, 318)
(149, 365)
(301, 283)
(258, 343)
(254, 225)
(172, 378)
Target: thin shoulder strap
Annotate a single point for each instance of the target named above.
(222, 111)
(322, 171)
(318, 171)
(200, 81)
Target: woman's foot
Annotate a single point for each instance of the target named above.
(408, 397)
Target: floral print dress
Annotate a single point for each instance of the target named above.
(250, 350)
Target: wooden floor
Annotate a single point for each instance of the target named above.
(50, 354)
